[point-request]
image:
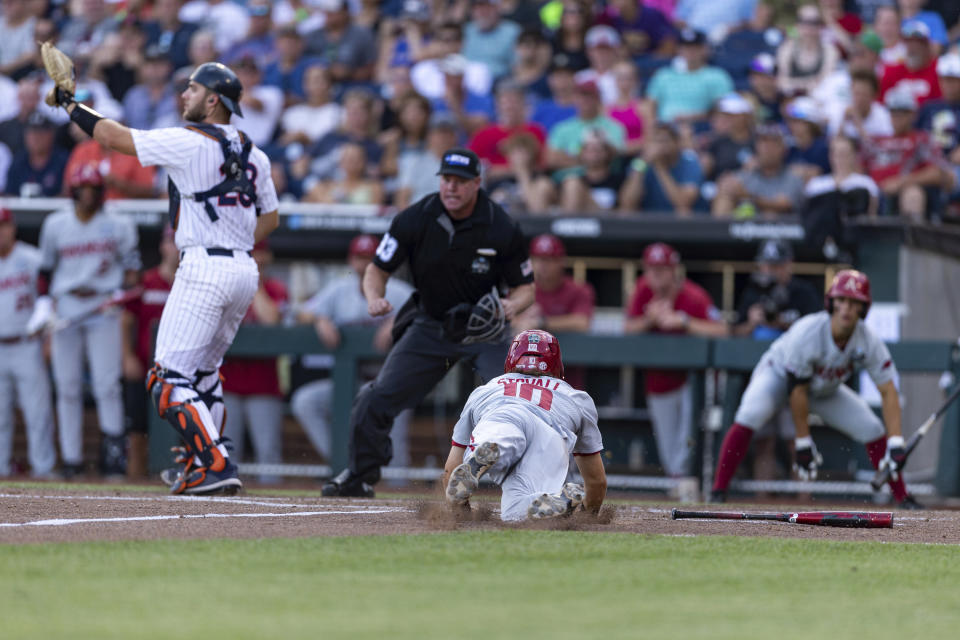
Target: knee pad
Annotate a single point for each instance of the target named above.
(209, 386)
(183, 416)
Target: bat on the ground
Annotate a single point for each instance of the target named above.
(882, 475)
(124, 297)
(853, 519)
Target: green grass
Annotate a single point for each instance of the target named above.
(491, 584)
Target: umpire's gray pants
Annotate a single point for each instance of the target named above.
(414, 365)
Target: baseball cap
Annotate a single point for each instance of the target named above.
(602, 35)
(38, 120)
(764, 63)
(364, 245)
(258, 9)
(154, 53)
(547, 245)
(871, 40)
(460, 162)
(588, 85)
(691, 36)
(948, 65)
(5, 215)
(806, 109)
(660, 254)
(900, 100)
(734, 104)
(443, 119)
(774, 251)
(771, 130)
(915, 29)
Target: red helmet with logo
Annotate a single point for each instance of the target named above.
(852, 284)
(534, 352)
(85, 175)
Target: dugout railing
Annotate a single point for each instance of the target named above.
(708, 360)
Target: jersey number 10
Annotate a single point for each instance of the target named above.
(526, 391)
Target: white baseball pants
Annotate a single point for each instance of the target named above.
(23, 375)
(671, 414)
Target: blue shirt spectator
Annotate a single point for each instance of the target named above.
(938, 30)
(685, 171)
(688, 88)
(168, 34)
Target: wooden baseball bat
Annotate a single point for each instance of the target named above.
(882, 475)
(853, 519)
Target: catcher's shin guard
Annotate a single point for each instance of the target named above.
(185, 415)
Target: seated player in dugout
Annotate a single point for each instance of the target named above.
(805, 369)
(519, 430)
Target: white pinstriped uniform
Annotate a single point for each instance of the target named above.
(537, 421)
(210, 293)
(91, 256)
(22, 370)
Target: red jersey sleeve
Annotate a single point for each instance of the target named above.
(584, 300)
(642, 294)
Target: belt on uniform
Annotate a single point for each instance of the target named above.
(83, 292)
(220, 251)
(13, 340)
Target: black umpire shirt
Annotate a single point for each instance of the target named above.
(455, 261)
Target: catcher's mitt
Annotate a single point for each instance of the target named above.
(59, 67)
(480, 322)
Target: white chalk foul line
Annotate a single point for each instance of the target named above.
(59, 522)
(262, 502)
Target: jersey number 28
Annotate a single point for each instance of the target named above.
(526, 390)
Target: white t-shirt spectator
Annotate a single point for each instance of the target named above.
(877, 123)
(228, 20)
(17, 41)
(261, 125)
(428, 79)
(312, 121)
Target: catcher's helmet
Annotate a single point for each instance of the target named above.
(222, 81)
(534, 352)
(852, 284)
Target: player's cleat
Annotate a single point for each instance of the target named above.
(113, 457)
(551, 505)
(465, 479)
(910, 503)
(169, 475)
(347, 485)
(70, 471)
(718, 496)
(201, 481)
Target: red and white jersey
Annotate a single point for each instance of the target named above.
(18, 288)
(193, 162)
(807, 351)
(91, 256)
(519, 398)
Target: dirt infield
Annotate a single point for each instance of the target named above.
(61, 515)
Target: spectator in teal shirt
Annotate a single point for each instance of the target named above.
(489, 39)
(566, 137)
(665, 178)
(686, 90)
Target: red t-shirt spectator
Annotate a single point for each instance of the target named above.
(488, 142)
(888, 156)
(923, 83)
(255, 376)
(692, 300)
(147, 310)
(113, 165)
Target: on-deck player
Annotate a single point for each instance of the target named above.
(805, 368)
(520, 429)
(86, 255)
(22, 370)
(222, 201)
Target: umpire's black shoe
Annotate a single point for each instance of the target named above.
(910, 504)
(347, 485)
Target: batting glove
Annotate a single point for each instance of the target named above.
(42, 315)
(895, 457)
(808, 459)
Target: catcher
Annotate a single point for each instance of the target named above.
(521, 428)
(462, 249)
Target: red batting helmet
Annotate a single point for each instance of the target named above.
(534, 352)
(852, 284)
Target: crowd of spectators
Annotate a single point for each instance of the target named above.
(641, 107)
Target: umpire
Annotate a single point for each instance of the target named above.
(463, 250)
